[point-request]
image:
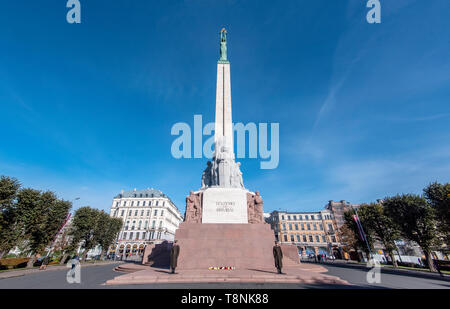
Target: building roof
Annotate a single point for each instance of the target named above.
(149, 192)
(146, 193)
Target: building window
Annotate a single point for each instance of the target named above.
(321, 226)
(124, 235)
(137, 235)
(315, 227)
(126, 225)
(129, 213)
(117, 204)
(292, 237)
(122, 213)
(304, 238)
(311, 238)
(160, 224)
(308, 227)
(142, 212)
(298, 238)
(285, 237)
(162, 212)
(157, 205)
(156, 212)
(136, 213)
(124, 203)
(284, 226)
(333, 239)
(295, 217)
(145, 224)
(139, 225)
(330, 227)
(132, 203)
(300, 217)
(282, 217)
(303, 226)
(143, 235)
(317, 238)
(132, 226)
(131, 235)
(323, 239)
(153, 224)
(137, 204)
(289, 217)
(148, 213)
(296, 226)
(306, 217)
(290, 226)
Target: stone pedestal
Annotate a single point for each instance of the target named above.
(244, 246)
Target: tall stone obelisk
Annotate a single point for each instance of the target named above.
(224, 124)
(222, 198)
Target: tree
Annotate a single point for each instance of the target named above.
(416, 221)
(438, 195)
(8, 194)
(348, 239)
(84, 227)
(351, 224)
(39, 217)
(381, 225)
(107, 229)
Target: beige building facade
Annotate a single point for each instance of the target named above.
(312, 232)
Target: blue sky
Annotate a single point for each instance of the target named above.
(364, 110)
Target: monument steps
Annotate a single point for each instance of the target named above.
(298, 274)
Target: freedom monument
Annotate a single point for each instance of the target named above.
(224, 224)
(224, 237)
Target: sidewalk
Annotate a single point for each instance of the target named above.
(22, 272)
(385, 269)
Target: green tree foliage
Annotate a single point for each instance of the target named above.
(351, 224)
(84, 225)
(381, 226)
(8, 194)
(39, 217)
(438, 195)
(107, 230)
(92, 227)
(415, 218)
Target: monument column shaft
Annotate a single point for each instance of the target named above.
(224, 123)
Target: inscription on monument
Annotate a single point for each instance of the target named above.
(224, 205)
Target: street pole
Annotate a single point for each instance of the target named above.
(60, 229)
(365, 237)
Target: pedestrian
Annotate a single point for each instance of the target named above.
(75, 259)
(44, 263)
(278, 256)
(437, 266)
(174, 252)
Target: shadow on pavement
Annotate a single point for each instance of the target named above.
(407, 273)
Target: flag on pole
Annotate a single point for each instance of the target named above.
(360, 229)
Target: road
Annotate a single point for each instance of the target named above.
(94, 277)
